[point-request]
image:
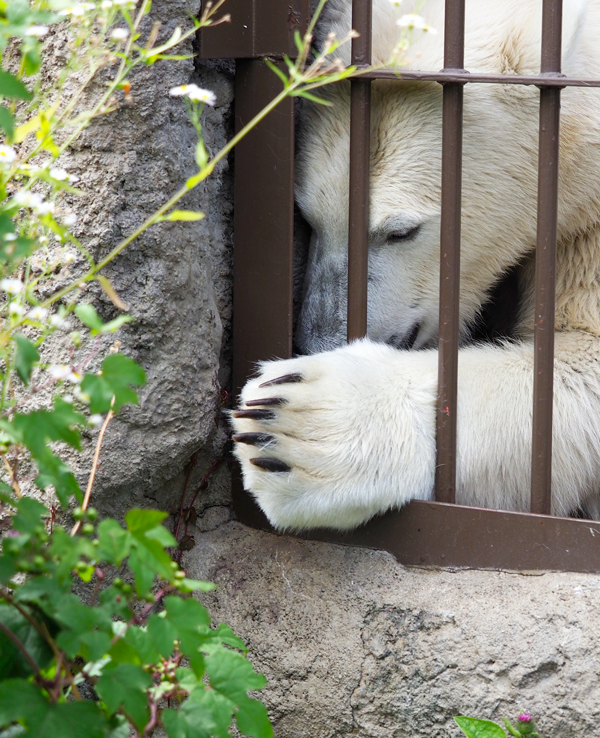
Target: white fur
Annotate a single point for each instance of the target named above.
(359, 431)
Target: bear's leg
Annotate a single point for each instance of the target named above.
(332, 439)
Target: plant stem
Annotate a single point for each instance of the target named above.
(90, 484)
(28, 657)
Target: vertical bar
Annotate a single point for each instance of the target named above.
(545, 263)
(263, 237)
(360, 146)
(452, 124)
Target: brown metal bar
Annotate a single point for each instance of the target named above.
(257, 28)
(263, 236)
(555, 80)
(437, 534)
(452, 124)
(360, 147)
(545, 263)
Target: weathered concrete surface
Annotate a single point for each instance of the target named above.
(354, 644)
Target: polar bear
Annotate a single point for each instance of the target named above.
(335, 437)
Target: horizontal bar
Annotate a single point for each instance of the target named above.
(442, 77)
(256, 28)
(438, 534)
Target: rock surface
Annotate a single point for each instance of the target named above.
(175, 279)
(353, 643)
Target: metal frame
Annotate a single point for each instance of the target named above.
(427, 533)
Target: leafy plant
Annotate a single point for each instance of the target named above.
(100, 634)
(476, 728)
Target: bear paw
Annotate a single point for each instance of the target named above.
(332, 439)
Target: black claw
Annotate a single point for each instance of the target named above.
(253, 439)
(286, 379)
(267, 401)
(254, 414)
(272, 465)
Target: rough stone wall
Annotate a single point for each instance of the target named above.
(176, 279)
(353, 644)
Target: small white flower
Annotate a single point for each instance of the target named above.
(193, 92)
(7, 154)
(59, 371)
(56, 321)
(69, 258)
(26, 199)
(37, 313)
(11, 286)
(15, 309)
(95, 420)
(36, 31)
(74, 377)
(68, 398)
(411, 20)
(44, 208)
(106, 4)
(397, 3)
(10, 236)
(70, 219)
(81, 396)
(76, 11)
(42, 239)
(59, 173)
(58, 238)
(119, 34)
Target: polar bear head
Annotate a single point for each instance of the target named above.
(499, 168)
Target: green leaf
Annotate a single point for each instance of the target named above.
(34, 430)
(313, 98)
(115, 543)
(125, 686)
(140, 521)
(29, 515)
(70, 720)
(12, 88)
(7, 122)
(119, 374)
(196, 585)
(88, 316)
(232, 674)
(20, 700)
(27, 356)
(162, 535)
(475, 728)
(163, 634)
(12, 662)
(274, 68)
(511, 729)
(183, 215)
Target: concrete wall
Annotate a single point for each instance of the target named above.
(352, 643)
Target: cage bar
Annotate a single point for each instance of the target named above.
(360, 149)
(454, 44)
(545, 262)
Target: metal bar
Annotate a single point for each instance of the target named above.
(555, 80)
(257, 28)
(437, 534)
(360, 147)
(454, 41)
(545, 264)
(263, 236)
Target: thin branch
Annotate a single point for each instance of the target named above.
(13, 478)
(90, 484)
(29, 658)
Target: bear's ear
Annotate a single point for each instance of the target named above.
(574, 12)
